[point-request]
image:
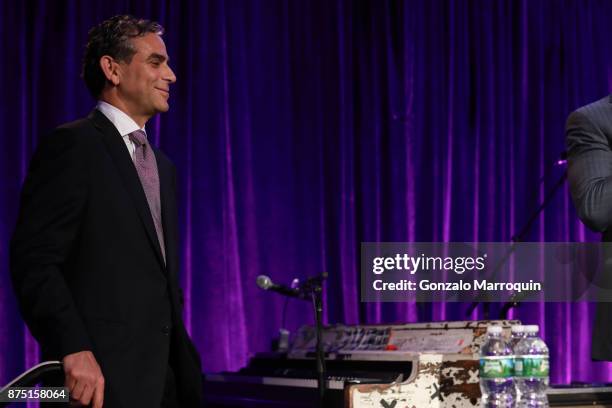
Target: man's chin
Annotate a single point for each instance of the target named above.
(163, 108)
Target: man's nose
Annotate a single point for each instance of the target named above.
(170, 77)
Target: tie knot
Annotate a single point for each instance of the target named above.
(139, 137)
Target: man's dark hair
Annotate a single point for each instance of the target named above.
(112, 37)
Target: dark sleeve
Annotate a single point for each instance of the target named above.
(589, 171)
(52, 204)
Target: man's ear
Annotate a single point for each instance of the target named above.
(111, 70)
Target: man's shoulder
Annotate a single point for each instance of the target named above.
(82, 125)
(601, 109)
(79, 134)
(79, 130)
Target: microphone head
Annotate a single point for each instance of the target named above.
(264, 282)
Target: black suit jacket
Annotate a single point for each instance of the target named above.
(87, 267)
(589, 145)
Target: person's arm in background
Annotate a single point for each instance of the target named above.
(589, 171)
(52, 204)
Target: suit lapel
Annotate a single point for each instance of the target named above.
(168, 209)
(120, 155)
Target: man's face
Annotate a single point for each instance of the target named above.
(145, 82)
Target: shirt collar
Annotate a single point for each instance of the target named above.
(124, 124)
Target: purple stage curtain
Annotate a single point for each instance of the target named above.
(302, 128)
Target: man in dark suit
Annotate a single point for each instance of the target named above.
(589, 145)
(94, 257)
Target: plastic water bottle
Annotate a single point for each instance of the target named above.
(517, 333)
(496, 371)
(531, 369)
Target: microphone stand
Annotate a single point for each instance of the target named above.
(317, 301)
(314, 287)
(515, 299)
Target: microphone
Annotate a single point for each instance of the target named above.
(265, 283)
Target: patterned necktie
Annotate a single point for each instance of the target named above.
(146, 166)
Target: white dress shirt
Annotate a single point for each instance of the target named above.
(124, 124)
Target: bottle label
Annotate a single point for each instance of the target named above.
(496, 367)
(531, 366)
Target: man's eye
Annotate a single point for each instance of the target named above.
(155, 63)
